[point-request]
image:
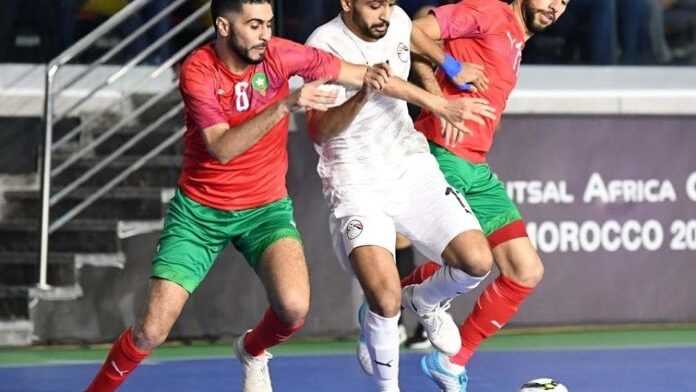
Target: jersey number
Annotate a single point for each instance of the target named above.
(451, 191)
(242, 99)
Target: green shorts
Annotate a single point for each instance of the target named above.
(500, 219)
(194, 235)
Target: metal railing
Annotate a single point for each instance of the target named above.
(53, 94)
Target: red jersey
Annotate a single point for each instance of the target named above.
(213, 94)
(484, 32)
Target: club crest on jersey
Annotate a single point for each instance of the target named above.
(259, 82)
(354, 229)
(403, 52)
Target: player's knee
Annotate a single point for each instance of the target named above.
(386, 303)
(293, 310)
(475, 261)
(530, 273)
(150, 336)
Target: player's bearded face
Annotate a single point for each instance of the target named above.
(249, 52)
(372, 17)
(540, 14)
(251, 32)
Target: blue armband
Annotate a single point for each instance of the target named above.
(452, 67)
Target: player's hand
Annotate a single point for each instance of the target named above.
(452, 134)
(377, 77)
(312, 97)
(457, 111)
(473, 74)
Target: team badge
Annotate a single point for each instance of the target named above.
(403, 52)
(354, 229)
(259, 82)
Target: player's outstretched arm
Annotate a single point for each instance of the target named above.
(327, 124)
(354, 76)
(456, 111)
(225, 143)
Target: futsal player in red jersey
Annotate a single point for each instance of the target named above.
(232, 184)
(490, 33)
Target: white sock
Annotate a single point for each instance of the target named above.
(382, 335)
(446, 283)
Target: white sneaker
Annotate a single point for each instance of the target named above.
(438, 324)
(255, 374)
(363, 353)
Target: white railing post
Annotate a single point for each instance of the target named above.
(51, 70)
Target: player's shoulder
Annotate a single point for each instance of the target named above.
(203, 57)
(323, 34)
(280, 50)
(277, 45)
(488, 6)
(399, 16)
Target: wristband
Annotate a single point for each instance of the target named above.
(452, 67)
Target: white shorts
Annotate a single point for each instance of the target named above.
(420, 205)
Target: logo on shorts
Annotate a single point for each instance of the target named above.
(403, 52)
(354, 229)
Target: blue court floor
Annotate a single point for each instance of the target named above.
(587, 370)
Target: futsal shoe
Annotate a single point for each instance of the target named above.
(255, 374)
(363, 353)
(438, 324)
(432, 366)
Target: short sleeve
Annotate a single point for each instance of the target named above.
(461, 20)
(308, 62)
(197, 85)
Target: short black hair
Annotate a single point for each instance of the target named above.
(220, 7)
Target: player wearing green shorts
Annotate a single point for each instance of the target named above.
(492, 33)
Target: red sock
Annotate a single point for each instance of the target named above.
(270, 332)
(420, 274)
(497, 304)
(123, 358)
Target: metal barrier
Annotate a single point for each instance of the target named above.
(53, 94)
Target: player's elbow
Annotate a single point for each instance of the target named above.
(220, 155)
(219, 147)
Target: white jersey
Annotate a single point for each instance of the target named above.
(373, 148)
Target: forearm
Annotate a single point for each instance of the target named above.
(325, 125)
(426, 76)
(353, 75)
(232, 142)
(401, 89)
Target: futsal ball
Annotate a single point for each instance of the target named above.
(543, 384)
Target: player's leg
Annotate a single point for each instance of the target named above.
(369, 241)
(443, 228)
(283, 272)
(405, 263)
(166, 300)
(376, 271)
(188, 246)
(271, 244)
(503, 225)
(521, 271)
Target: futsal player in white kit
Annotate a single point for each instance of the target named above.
(379, 178)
